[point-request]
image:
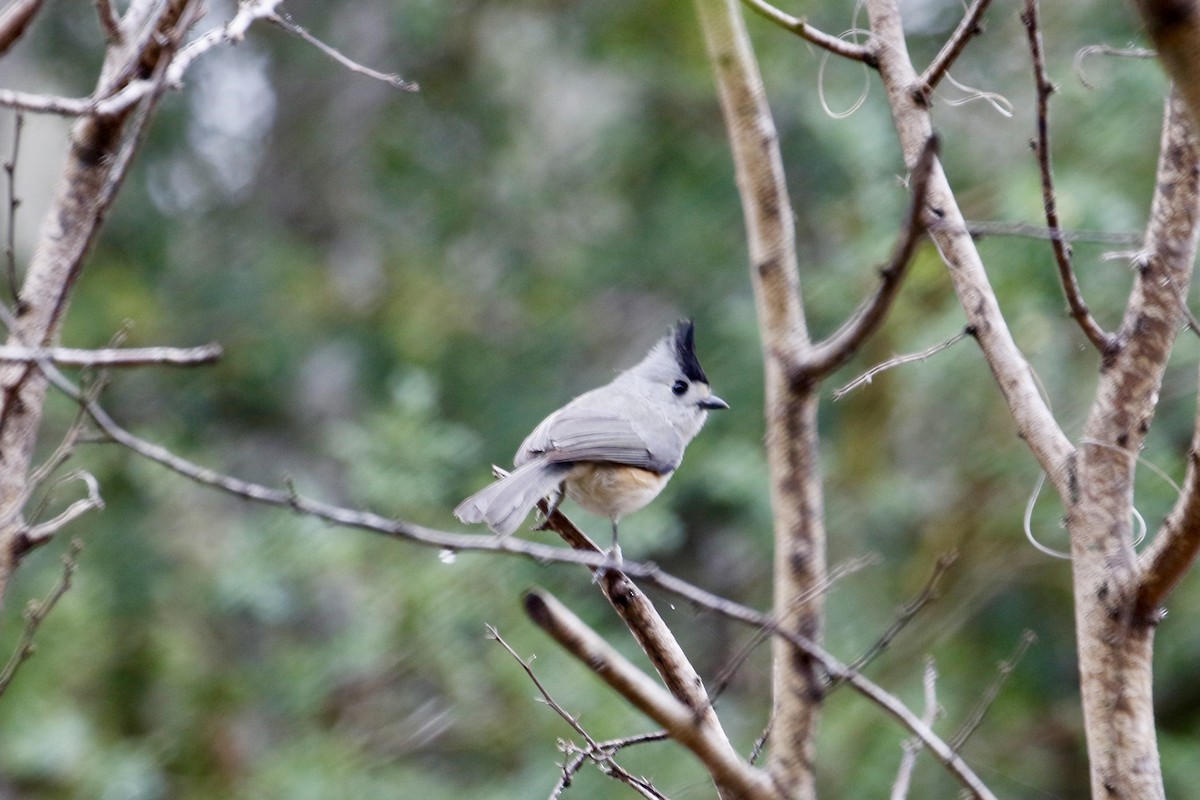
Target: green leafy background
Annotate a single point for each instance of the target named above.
(405, 284)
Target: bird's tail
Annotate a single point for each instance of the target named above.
(504, 504)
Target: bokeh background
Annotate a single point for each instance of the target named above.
(405, 284)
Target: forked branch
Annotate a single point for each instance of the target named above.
(970, 27)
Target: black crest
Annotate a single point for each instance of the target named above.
(685, 351)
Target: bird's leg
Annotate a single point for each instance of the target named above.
(615, 552)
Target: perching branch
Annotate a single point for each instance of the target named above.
(1099, 338)
(800, 27)
(820, 359)
(970, 27)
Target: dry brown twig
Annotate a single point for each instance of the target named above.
(36, 613)
(1099, 338)
(595, 752)
(14, 202)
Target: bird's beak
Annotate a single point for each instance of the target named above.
(713, 403)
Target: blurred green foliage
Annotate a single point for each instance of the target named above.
(405, 284)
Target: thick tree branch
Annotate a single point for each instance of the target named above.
(1115, 643)
(1100, 339)
(793, 458)
(681, 722)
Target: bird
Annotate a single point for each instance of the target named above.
(611, 450)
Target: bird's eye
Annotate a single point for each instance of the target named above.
(679, 388)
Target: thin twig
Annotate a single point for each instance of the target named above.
(839, 571)
(800, 27)
(907, 612)
(908, 760)
(1107, 50)
(112, 357)
(14, 202)
(286, 22)
(1099, 338)
(37, 535)
(581, 756)
(36, 613)
(980, 228)
(1004, 669)
(595, 752)
(870, 374)
(968, 28)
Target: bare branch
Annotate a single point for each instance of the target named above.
(908, 761)
(36, 613)
(595, 752)
(14, 21)
(907, 612)
(818, 361)
(800, 27)
(512, 546)
(110, 23)
(980, 228)
(1100, 339)
(111, 357)
(14, 202)
(1003, 670)
(1106, 50)
(391, 78)
(681, 722)
(1014, 377)
(910, 358)
(968, 28)
(609, 746)
(1175, 547)
(38, 535)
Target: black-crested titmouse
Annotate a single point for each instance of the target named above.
(612, 449)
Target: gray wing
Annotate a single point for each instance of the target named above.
(623, 433)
